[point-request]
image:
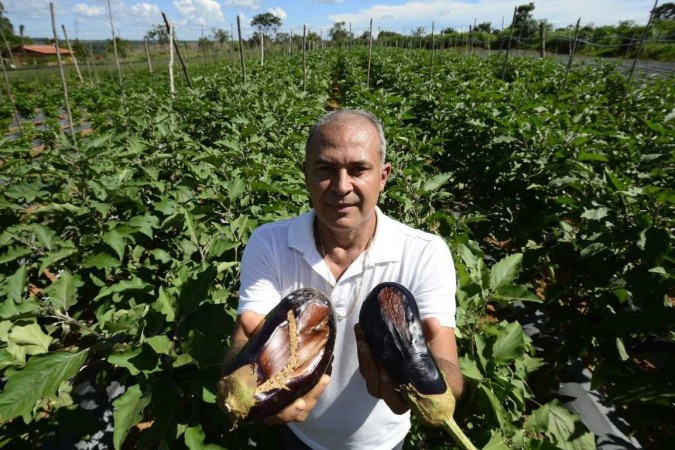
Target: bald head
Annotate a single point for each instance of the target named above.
(343, 117)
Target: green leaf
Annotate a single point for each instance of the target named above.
(141, 359)
(436, 182)
(45, 235)
(101, 260)
(503, 139)
(165, 305)
(621, 349)
(505, 271)
(507, 347)
(470, 368)
(495, 405)
(14, 253)
(235, 188)
(564, 430)
(196, 290)
(135, 284)
(194, 439)
(62, 293)
(145, 224)
(128, 412)
(55, 256)
(40, 378)
(15, 287)
(190, 225)
(511, 293)
(160, 344)
(595, 214)
(27, 340)
(116, 241)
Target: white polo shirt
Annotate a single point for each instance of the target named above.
(281, 257)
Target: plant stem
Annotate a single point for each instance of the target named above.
(458, 435)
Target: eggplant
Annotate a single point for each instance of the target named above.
(292, 349)
(392, 328)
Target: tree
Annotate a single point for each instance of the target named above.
(158, 34)
(665, 12)
(485, 26)
(6, 26)
(339, 33)
(220, 36)
(123, 47)
(524, 23)
(267, 23)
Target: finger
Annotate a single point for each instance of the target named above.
(431, 326)
(288, 414)
(312, 397)
(367, 365)
(391, 397)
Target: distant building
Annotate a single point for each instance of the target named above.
(25, 53)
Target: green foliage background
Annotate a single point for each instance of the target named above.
(119, 255)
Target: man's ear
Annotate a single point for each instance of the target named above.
(386, 171)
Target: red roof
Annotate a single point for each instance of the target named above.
(41, 49)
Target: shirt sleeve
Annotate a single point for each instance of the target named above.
(260, 287)
(435, 283)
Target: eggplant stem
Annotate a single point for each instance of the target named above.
(458, 435)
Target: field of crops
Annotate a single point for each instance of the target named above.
(119, 252)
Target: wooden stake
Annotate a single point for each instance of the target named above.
(470, 40)
(370, 51)
(9, 50)
(241, 52)
(63, 75)
(70, 47)
(304, 57)
(11, 98)
(147, 53)
(93, 63)
(117, 60)
(572, 51)
(350, 38)
(508, 49)
(431, 72)
(542, 40)
(172, 87)
(175, 46)
(642, 41)
(262, 49)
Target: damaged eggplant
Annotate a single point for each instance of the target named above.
(392, 328)
(285, 359)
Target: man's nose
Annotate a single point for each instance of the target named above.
(340, 182)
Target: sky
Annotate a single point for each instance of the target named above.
(89, 20)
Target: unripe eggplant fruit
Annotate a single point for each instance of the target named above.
(291, 350)
(391, 325)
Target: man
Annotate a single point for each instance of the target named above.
(346, 246)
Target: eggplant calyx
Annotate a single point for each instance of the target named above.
(237, 392)
(433, 409)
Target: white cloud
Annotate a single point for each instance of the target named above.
(251, 4)
(277, 11)
(88, 10)
(35, 9)
(199, 12)
(461, 13)
(328, 1)
(146, 11)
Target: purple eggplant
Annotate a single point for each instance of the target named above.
(392, 328)
(288, 355)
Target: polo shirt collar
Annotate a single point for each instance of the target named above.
(383, 249)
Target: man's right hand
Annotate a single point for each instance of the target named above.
(248, 324)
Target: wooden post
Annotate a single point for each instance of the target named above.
(70, 47)
(442, 39)
(117, 60)
(11, 98)
(262, 49)
(304, 57)
(370, 51)
(63, 75)
(572, 51)
(175, 46)
(241, 52)
(470, 40)
(93, 63)
(147, 53)
(542, 40)
(172, 87)
(290, 43)
(9, 50)
(431, 72)
(508, 49)
(351, 36)
(642, 41)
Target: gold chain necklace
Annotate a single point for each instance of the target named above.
(357, 294)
